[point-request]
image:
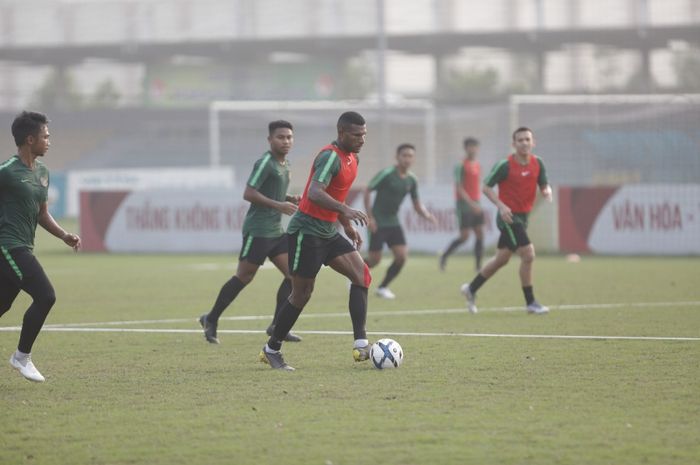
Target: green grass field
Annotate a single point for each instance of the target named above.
(479, 389)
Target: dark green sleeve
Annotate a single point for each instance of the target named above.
(326, 166)
(542, 178)
(498, 173)
(261, 171)
(414, 187)
(378, 178)
(459, 174)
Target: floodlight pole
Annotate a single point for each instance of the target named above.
(381, 80)
(214, 141)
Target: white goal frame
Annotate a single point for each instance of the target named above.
(218, 106)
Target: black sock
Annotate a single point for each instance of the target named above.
(478, 252)
(477, 282)
(286, 318)
(358, 310)
(33, 321)
(454, 245)
(391, 273)
(529, 294)
(227, 294)
(282, 295)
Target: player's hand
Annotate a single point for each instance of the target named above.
(506, 214)
(295, 199)
(288, 208)
(476, 208)
(372, 224)
(356, 216)
(431, 218)
(547, 193)
(72, 240)
(354, 236)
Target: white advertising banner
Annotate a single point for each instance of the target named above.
(423, 236)
(144, 178)
(649, 219)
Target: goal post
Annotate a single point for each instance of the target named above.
(395, 122)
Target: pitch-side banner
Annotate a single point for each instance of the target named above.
(211, 221)
(162, 220)
(661, 219)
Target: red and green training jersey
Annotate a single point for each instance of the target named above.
(336, 169)
(517, 183)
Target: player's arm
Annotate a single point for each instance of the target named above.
(318, 195)
(542, 182)
(47, 221)
(326, 166)
(498, 174)
(461, 192)
(418, 205)
(367, 199)
(253, 196)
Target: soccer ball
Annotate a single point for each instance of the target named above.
(386, 353)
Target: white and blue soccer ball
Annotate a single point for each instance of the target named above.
(386, 353)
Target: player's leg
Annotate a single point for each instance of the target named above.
(527, 258)
(281, 261)
(35, 283)
(349, 263)
(478, 227)
(306, 255)
(397, 243)
(251, 257)
(463, 218)
(504, 251)
(376, 243)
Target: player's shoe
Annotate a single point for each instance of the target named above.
(209, 329)
(385, 293)
(26, 368)
(537, 308)
(360, 354)
(275, 360)
(290, 337)
(471, 298)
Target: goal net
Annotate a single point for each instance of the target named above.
(614, 139)
(238, 132)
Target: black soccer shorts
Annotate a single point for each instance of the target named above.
(389, 235)
(256, 249)
(308, 252)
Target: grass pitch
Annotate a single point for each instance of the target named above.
(499, 387)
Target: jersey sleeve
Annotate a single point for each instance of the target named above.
(459, 174)
(498, 173)
(414, 187)
(326, 166)
(378, 178)
(261, 170)
(542, 178)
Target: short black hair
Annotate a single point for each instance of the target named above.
(405, 145)
(469, 141)
(27, 123)
(350, 118)
(280, 123)
(522, 129)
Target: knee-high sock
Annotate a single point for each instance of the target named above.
(227, 294)
(282, 295)
(286, 318)
(358, 311)
(454, 245)
(34, 319)
(478, 252)
(391, 273)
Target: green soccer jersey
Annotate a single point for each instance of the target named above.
(391, 188)
(22, 192)
(271, 179)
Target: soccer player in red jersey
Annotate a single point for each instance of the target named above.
(314, 240)
(468, 209)
(518, 178)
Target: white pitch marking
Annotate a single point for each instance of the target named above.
(443, 311)
(374, 333)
